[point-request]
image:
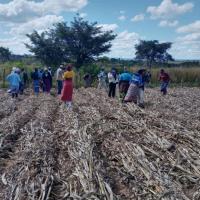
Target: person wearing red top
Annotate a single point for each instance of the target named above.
(165, 79)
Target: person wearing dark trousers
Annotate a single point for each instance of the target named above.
(59, 79)
(113, 80)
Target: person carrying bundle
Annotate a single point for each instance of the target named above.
(124, 82)
(67, 90)
(136, 89)
(165, 79)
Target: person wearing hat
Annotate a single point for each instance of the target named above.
(59, 79)
(67, 91)
(47, 80)
(136, 87)
(14, 80)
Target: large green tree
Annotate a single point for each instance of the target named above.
(47, 49)
(153, 51)
(5, 54)
(81, 42)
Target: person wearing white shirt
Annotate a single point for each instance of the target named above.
(113, 80)
(59, 79)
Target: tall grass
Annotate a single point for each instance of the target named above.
(181, 76)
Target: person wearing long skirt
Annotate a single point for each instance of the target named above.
(135, 92)
(47, 81)
(124, 82)
(67, 90)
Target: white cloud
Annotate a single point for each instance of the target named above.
(138, 18)
(193, 37)
(16, 45)
(83, 15)
(166, 23)
(122, 18)
(39, 24)
(122, 12)
(168, 9)
(124, 45)
(108, 27)
(183, 49)
(193, 27)
(24, 10)
(188, 46)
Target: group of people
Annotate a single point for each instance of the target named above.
(64, 78)
(131, 85)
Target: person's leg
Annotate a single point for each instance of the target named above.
(59, 87)
(105, 86)
(114, 90)
(141, 98)
(99, 85)
(110, 90)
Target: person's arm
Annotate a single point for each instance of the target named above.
(8, 78)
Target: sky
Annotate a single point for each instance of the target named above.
(176, 21)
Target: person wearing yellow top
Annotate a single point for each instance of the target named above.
(67, 91)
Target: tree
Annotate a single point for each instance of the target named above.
(47, 49)
(153, 51)
(81, 42)
(4, 54)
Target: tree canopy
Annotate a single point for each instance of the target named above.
(4, 54)
(80, 43)
(153, 51)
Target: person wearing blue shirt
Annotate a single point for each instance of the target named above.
(136, 89)
(14, 80)
(124, 82)
(36, 81)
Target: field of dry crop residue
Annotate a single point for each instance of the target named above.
(101, 149)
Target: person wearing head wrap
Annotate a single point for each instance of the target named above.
(102, 80)
(67, 90)
(113, 80)
(47, 80)
(14, 80)
(135, 89)
(35, 76)
(124, 82)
